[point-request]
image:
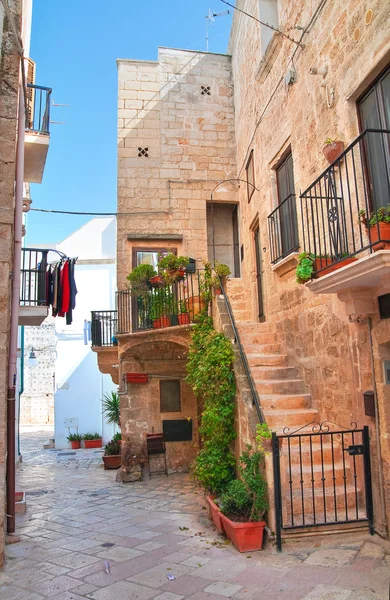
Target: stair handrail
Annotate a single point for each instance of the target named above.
(255, 395)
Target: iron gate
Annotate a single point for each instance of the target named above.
(321, 477)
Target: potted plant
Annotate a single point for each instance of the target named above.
(140, 278)
(75, 440)
(332, 149)
(112, 454)
(172, 268)
(92, 440)
(112, 409)
(161, 302)
(222, 273)
(183, 316)
(263, 437)
(305, 267)
(379, 227)
(244, 504)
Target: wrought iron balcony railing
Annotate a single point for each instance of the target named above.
(283, 229)
(33, 283)
(333, 225)
(38, 108)
(160, 307)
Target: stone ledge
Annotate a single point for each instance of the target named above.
(286, 264)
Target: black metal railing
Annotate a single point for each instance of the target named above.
(255, 396)
(33, 278)
(333, 227)
(38, 108)
(104, 327)
(283, 229)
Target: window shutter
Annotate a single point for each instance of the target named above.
(30, 77)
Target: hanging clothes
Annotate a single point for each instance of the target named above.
(61, 288)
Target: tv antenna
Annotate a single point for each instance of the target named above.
(210, 18)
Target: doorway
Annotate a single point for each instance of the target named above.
(223, 236)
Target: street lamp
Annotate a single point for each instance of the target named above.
(32, 359)
(212, 209)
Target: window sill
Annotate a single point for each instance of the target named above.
(269, 57)
(286, 264)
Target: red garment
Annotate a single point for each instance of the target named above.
(65, 288)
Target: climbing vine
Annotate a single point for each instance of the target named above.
(211, 376)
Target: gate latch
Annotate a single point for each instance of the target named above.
(355, 450)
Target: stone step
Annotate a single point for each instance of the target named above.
(261, 360)
(285, 401)
(253, 326)
(318, 475)
(280, 386)
(273, 372)
(252, 349)
(237, 305)
(322, 502)
(260, 337)
(241, 315)
(291, 452)
(288, 418)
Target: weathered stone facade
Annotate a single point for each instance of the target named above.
(9, 78)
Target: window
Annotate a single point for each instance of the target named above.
(268, 13)
(374, 113)
(287, 214)
(250, 176)
(170, 395)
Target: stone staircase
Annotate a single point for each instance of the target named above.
(316, 478)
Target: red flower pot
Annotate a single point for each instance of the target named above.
(320, 263)
(183, 318)
(333, 151)
(92, 443)
(75, 445)
(215, 514)
(112, 462)
(247, 537)
(384, 234)
(156, 281)
(162, 322)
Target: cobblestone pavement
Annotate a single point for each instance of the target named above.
(85, 536)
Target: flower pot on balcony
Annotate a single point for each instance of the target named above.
(332, 151)
(384, 234)
(157, 281)
(75, 445)
(320, 263)
(92, 443)
(161, 322)
(247, 537)
(215, 514)
(112, 462)
(183, 318)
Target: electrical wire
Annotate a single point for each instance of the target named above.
(98, 214)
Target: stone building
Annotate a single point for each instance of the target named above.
(221, 157)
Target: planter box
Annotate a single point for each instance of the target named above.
(137, 377)
(333, 151)
(92, 443)
(215, 514)
(323, 262)
(112, 462)
(384, 234)
(183, 318)
(76, 445)
(247, 537)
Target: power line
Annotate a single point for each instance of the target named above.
(98, 214)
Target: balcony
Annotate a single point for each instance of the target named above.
(37, 135)
(160, 308)
(33, 304)
(351, 247)
(283, 229)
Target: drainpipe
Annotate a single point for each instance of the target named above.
(21, 390)
(13, 342)
(377, 426)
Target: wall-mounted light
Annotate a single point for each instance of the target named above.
(32, 359)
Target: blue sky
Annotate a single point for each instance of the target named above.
(75, 44)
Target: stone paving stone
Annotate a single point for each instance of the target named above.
(371, 551)
(146, 535)
(85, 589)
(54, 586)
(257, 575)
(221, 569)
(195, 561)
(119, 554)
(223, 589)
(325, 592)
(157, 576)
(78, 545)
(149, 546)
(168, 596)
(124, 589)
(186, 586)
(313, 574)
(119, 571)
(74, 560)
(331, 558)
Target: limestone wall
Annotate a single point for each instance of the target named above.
(9, 77)
(332, 353)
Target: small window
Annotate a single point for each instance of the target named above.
(170, 395)
(250, 176)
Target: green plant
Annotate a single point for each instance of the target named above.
(248, 498)
(117, 436)
(171, 262)
(206, 282)
(211, 376)
(140, 279)
(113, 448)
(263, 436)
(160, 303)
(91, 436)
(74, 437)
(329, 141)
(182, 307)
(382, 215)
(222, 271)
(112, 409)
(305, 267)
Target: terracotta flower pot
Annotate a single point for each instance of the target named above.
(247, 537)
(183, 318)
(217, 291)
(333, 151)
(112, 462)
(92, 443)
(75, 445)
(156, 281)
(320, 263)
(384, 234)
(215, 514)
(161, 322)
